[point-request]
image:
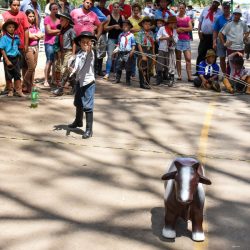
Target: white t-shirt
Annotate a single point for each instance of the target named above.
(164, 44)
(206, 23)
(235, 34)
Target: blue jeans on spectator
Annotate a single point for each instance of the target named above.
(133, 72)
(110, 48)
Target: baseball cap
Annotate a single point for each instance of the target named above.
(237, 11)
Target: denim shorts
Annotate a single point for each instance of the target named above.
(183, 45)
(221, 50)
(49, 52)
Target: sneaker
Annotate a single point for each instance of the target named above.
(106, 77)
(46, 84)
(10, 93)
(20, 94)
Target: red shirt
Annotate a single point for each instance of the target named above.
(125, 10)
(21, 19)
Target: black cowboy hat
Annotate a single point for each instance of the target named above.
(65, 15)
(84, 34)
(8, 22)
(146, 19)
(128, 22)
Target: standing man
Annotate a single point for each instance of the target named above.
(247, 21)
(191, 14)
(125, 9)
(220, 49)
(164, 12)
(86, 20)
(22, 31)
(236, 32)
(205, 30)
(64, 7)
(32, 5)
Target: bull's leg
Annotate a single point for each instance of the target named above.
(197, 229)
(197, 215)
(170, 221)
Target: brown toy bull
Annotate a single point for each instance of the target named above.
(184, 196)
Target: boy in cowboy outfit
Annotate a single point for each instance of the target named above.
(208, 73)
(63, 47)
(85, 78)
(167, 38)
(9, 49)
(146, 46)
(126, 48)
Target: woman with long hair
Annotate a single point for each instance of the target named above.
(135, 19)
(184, 26)
(51, 23)
(113, 26)
(31, 54)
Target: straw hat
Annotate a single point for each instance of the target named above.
(210, 52)
(146, 19)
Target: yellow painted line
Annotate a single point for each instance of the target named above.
(202, 151)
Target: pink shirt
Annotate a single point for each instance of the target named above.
(183, 23)
(33, 30)
(50, 39)
(21, 19)
(84, 22)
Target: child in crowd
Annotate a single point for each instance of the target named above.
(9, 49)
(159, 24)
(146, 45)
(31, 54)
(63, 47)
(85, 82)
(167, 38)
(238, 74)
(208, 73)
(126, 47)
(148, 10)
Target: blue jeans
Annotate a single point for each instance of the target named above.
(84, 97)
(111, 46)
(133, 70)
(49, 52)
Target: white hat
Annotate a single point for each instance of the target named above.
(237, 11)
(217, 1)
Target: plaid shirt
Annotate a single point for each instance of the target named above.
(145, 39)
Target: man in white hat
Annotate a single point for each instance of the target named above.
(205, 29)
(235, 32)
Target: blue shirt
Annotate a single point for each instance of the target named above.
(126, 41)
(159, 14)
(220, 22)
(98, 12)
(6, 45)
(208, 70)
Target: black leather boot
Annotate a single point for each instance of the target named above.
(159, 78)
(128, 76)
(118, 76)
(99, 62)
(89, 124)
(166, 75)
(171, 81)
(78, 120)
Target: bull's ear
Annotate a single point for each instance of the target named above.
(196, 165)
(169, 176)
(205, 180)
(177, 164)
